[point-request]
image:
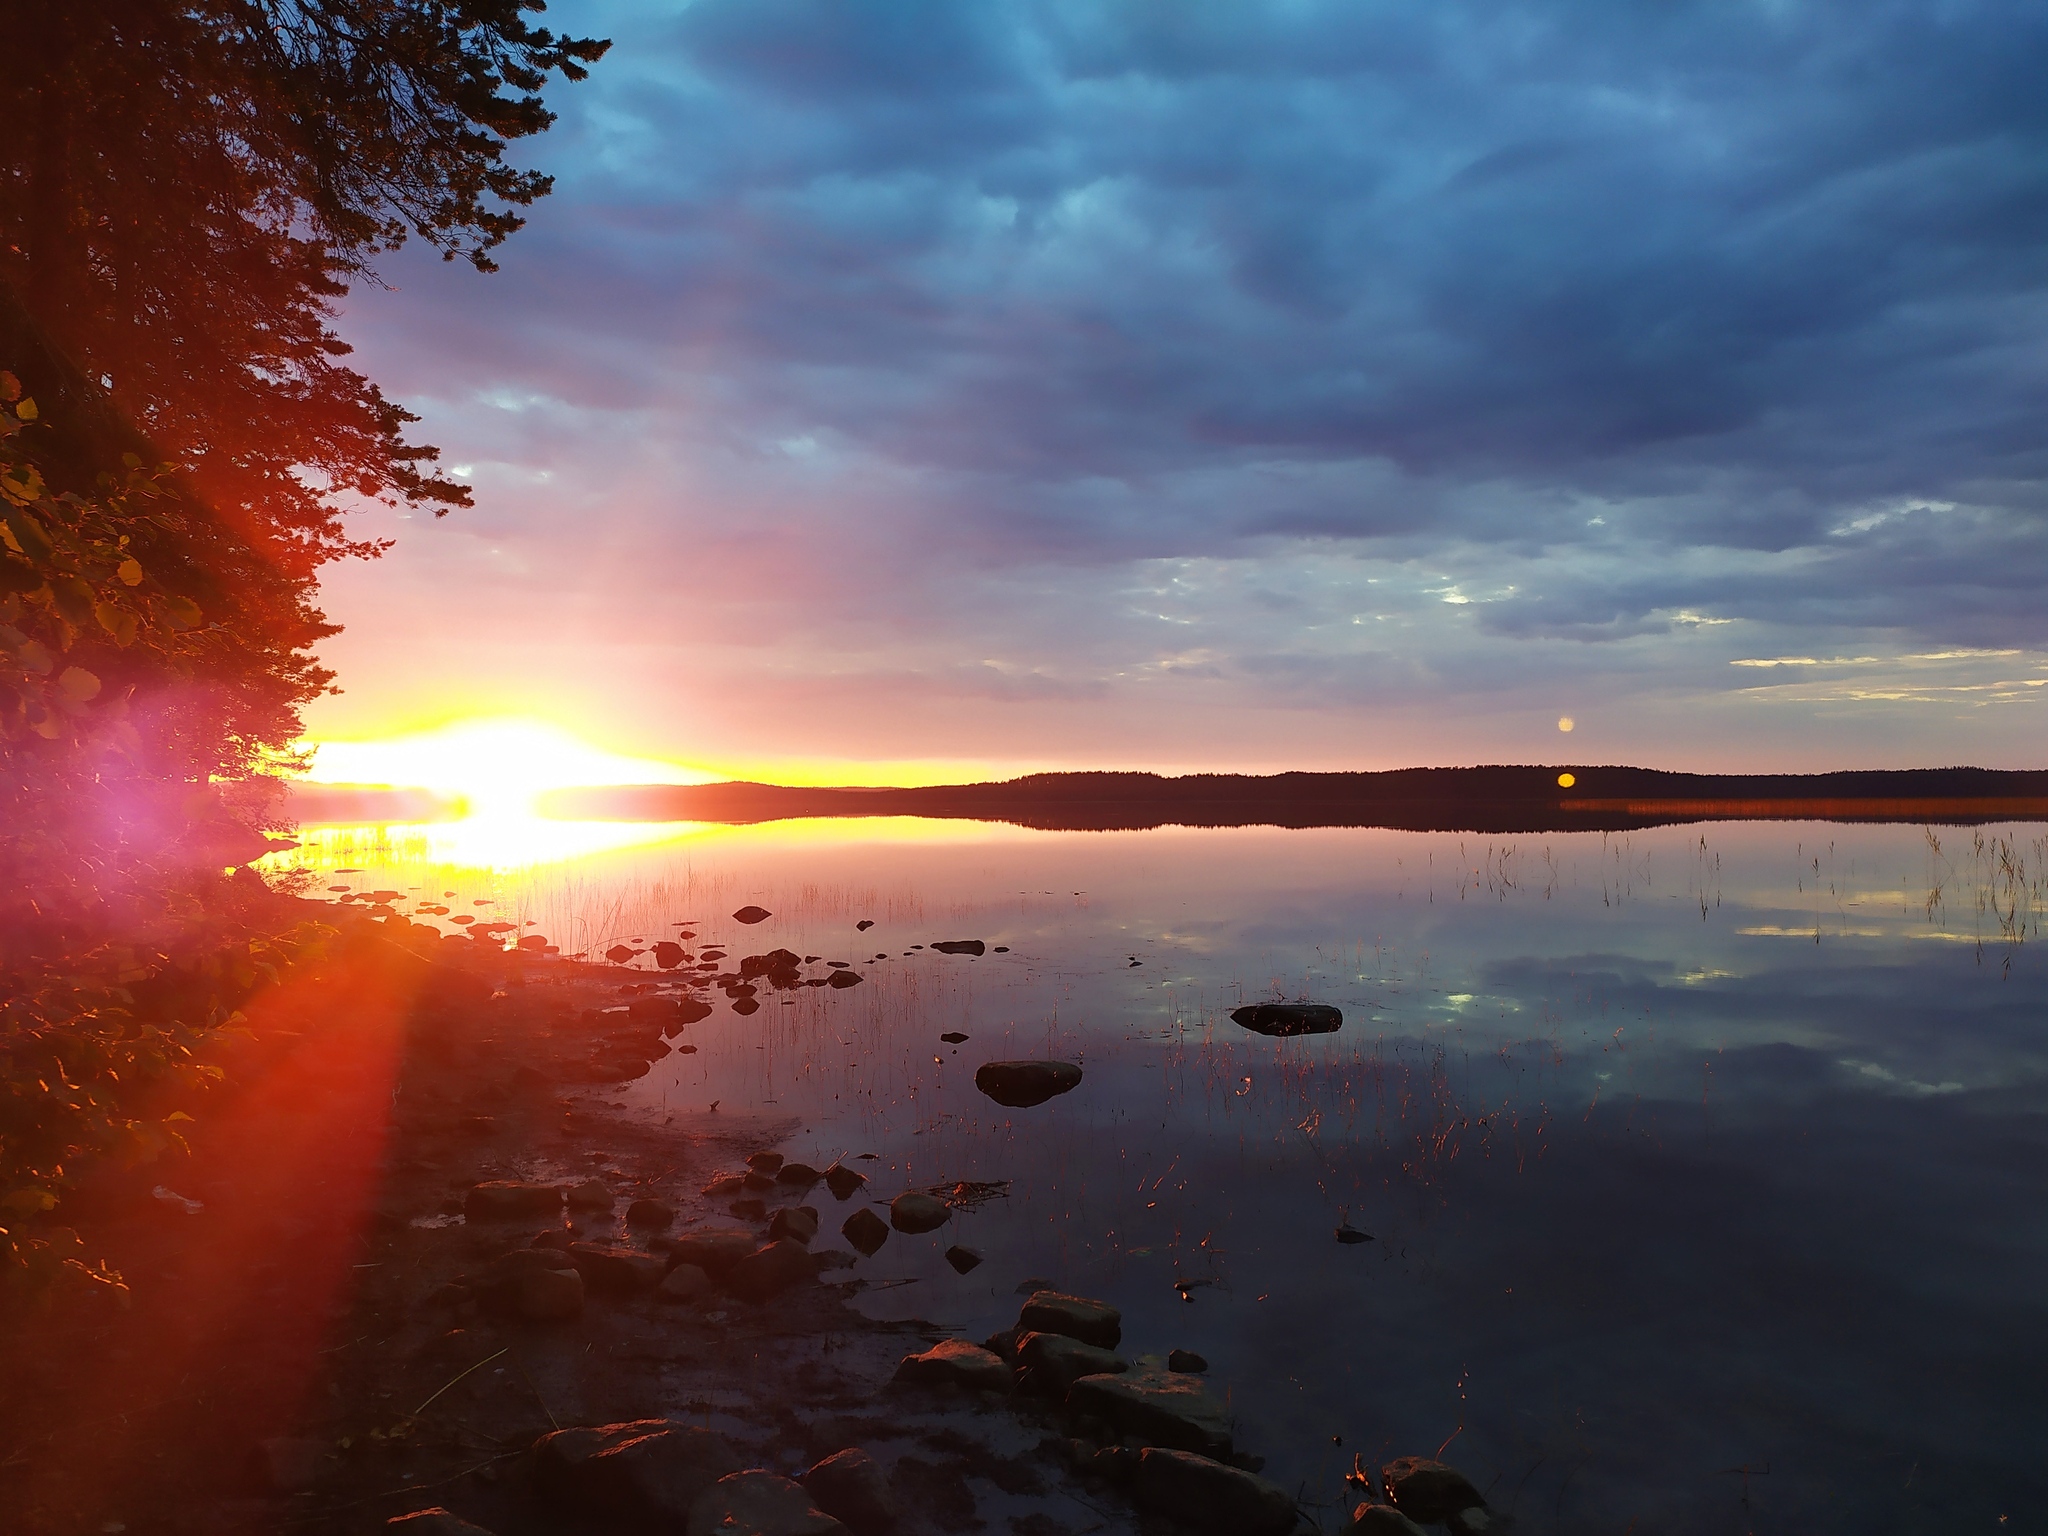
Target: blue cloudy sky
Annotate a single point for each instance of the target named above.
(898, 387)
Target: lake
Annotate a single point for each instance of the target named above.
(1705, 1168)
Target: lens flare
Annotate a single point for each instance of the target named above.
(1565, 722)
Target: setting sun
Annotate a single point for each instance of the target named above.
(497, 766)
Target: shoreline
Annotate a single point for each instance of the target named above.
(313, 1340)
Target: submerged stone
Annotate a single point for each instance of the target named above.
(1289, 1018)
(1025, 1084)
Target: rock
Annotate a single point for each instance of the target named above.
(864, 925)
(1428, 1492)
(844, 979)
(759, 1179)
(1092, 1322)
(1163, 1408)
(823, 1259)
(618, 954)
(744, 1006)
(799, 1175)
(591, 1195)
(650, 1213)
(725, 1184)
(1186, 1360)
(843, 1182)
(915, 1211)
(1056, 1362)
(749, 1210)
(645, 1475)
(764, 1162)
(954, 1037)
(850, 1487)
(620, 1271)
(1023, 1084)
(432, 1522)
(713, 1250)
(962, 1259)
(1116, 1463)
(961, 947)
(769, 1271)
(798, 1223)
(686, 1282)
(292, 1465)
(1002, 1342)
(1347, 1233)
(751, 915)
(552, 1237)
(509, 1199)
(1211, 1496)
(1289, 1018)
(668, 954)
(955, 1363)
(865, 1230)
(1381, 1520)
(759, 1503)
(549, 1296)
(690, 1010)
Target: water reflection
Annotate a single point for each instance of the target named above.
(1704, 1172)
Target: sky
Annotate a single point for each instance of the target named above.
(896, 391)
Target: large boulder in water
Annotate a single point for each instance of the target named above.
(1023, 1084)
(1211, 1496)
(1289, 1018)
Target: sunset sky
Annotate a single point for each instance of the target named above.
(904, 390)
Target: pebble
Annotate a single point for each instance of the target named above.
(591, 1195)
(955, 1363)
(802, 1175)
(1056, 1362)
(962, 1259)
(549, 1296)
(713, 1249)
(650, 1213)
(769, 1271)
(686, 1282)
(1092, 1322)
(645, 1474)
(798, 1223)
(620, 1271)
(1163, 1408)
(751, 915)
(915, 1211)
(1186, 1360)
(758, 1503)
(765, 1162)
(1426, 1491)
(850, 1487)
(1210, 1496)
(843, 1182)
(865, 1230)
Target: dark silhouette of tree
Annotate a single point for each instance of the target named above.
(186, 188)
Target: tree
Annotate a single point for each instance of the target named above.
(186, 186)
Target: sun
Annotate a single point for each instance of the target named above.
(498, 766)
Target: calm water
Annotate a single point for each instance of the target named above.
(1705, 1166)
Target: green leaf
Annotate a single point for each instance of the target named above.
(182, 612)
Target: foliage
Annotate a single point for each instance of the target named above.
(125, 706)
(187, 186)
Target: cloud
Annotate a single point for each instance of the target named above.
(1662, 336)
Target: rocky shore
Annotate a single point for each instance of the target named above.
(420, 1270)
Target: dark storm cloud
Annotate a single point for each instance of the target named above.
(1592, 320)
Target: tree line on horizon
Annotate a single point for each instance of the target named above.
(187, 187)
